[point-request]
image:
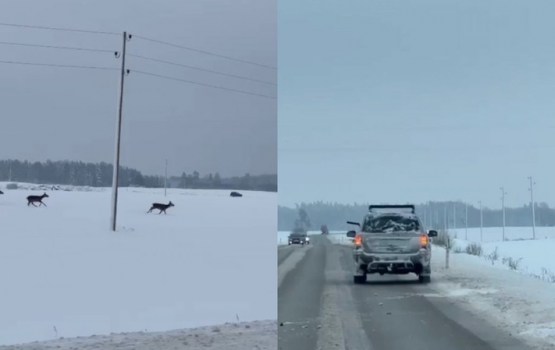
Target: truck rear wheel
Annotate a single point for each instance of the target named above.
(424, 279)
(359, 279)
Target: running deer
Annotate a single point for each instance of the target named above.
(160, 206)
(33, 199)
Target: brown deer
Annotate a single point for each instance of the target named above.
(33, 199)
(161, 207)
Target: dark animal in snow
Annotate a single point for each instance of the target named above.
(34, 199)
(161, 207)
(235, 194)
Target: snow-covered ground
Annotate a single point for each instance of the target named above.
(257, 335)
(532, 257)
(64, 273)
(522, 305)
(512, 283)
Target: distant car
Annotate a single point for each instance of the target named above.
(299, 238)
(392, 240)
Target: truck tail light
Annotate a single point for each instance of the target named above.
(424, 240)
(358, 240)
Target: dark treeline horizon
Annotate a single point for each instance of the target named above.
(437, 215)
(79, 173)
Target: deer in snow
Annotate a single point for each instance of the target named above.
(161, 207)
(33, 199)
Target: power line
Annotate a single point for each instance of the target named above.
(202, 69)
(55, 47)
(57, 28)
(56, 65)
(201, 84)
(205, 52)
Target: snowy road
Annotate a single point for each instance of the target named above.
(320, 308)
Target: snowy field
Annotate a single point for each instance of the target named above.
(64, 274)
(258, 335)
(495, 234)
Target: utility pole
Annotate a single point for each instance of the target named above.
(445, 224)
(115, 177)
(503, 193)
(466, 221)
(166, 178)
(481, 222)
(455, 215)
(531, 189)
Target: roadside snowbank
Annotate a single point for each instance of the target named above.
(521, 305)
(526, 256)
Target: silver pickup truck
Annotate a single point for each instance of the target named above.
(391, 240)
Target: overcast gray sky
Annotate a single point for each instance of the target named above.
(50, 113)
(416, 100)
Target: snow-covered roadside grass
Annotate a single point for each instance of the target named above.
(518, 252)
(259, 335)
(520, 304)
(511, 283)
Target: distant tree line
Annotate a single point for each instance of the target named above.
(215, 181)
(100, 175)
(437, 215)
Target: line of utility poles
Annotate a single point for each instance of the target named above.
(503, 194)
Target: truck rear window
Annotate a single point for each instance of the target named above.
(390, 223)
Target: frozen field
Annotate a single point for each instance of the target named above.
(64, 274)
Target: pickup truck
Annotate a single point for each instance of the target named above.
(391, 240)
